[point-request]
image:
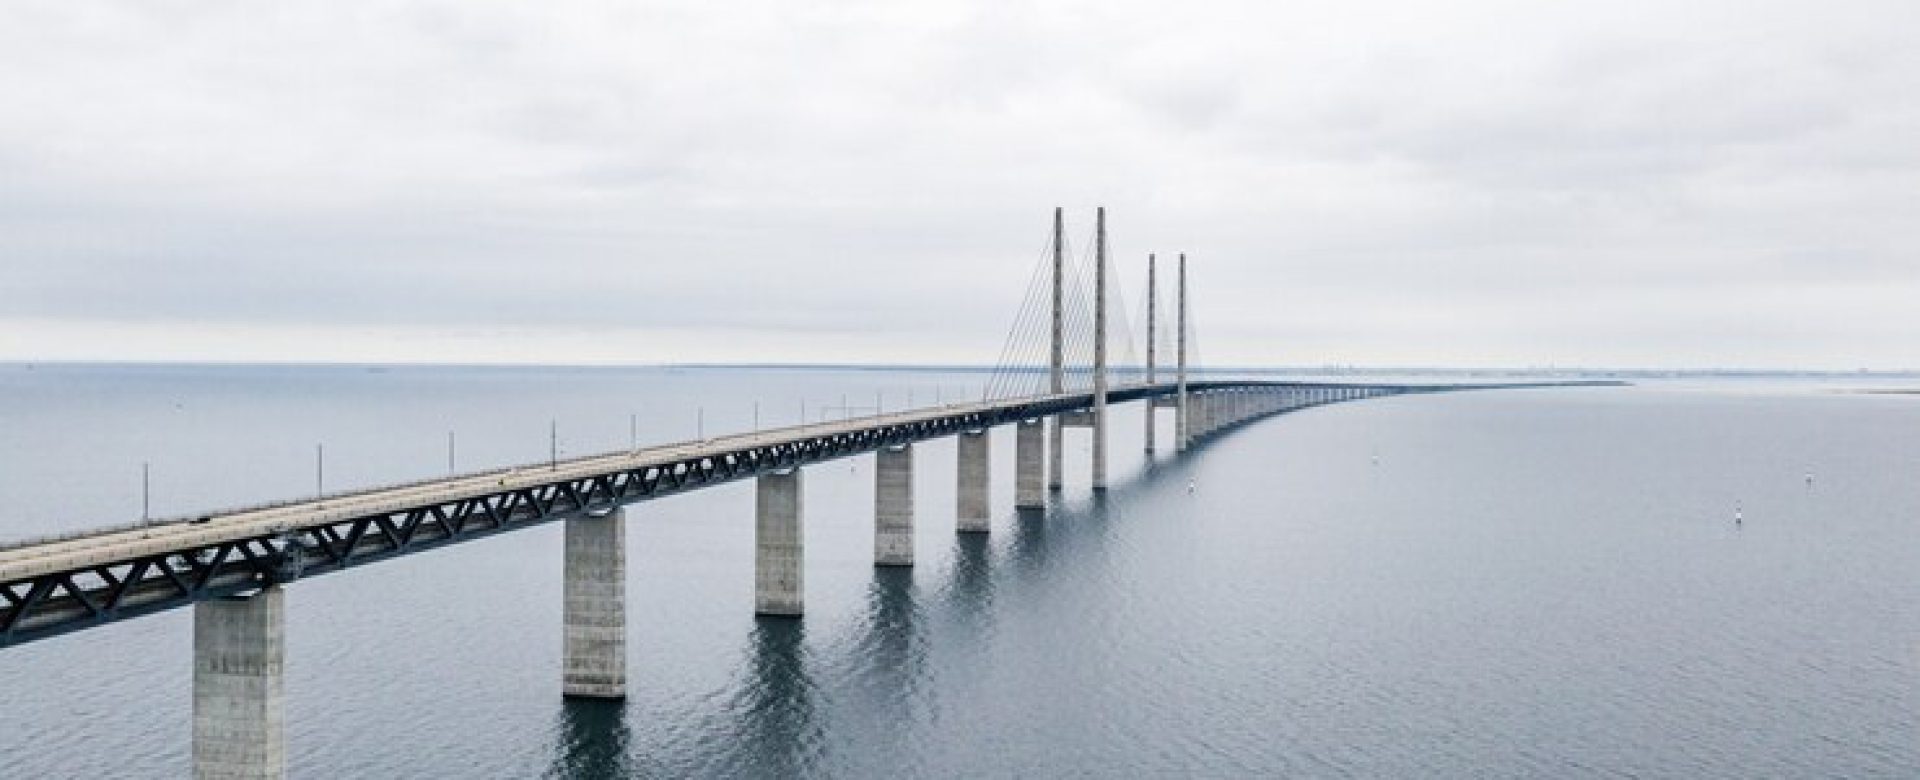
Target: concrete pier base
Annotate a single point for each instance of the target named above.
(779, 552)
(893, 506)
(1030, 465)
(594, 643)
(239, 659)
(975, 507)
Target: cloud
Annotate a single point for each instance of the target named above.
(1490, 182)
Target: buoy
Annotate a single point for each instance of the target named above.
(1190, 484)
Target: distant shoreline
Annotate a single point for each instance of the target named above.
(1314, 371)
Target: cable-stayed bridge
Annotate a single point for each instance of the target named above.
(1068, 358)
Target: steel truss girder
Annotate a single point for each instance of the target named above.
(57, 603)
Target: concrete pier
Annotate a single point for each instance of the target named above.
(1183, 400)
(1056, 359)
(1152, 311)
(239, 659)
(1182, 422)
(1100, 350)
(1150, 424)
(975, 508)
(893, 506)
(1100, 444)
(1056, 452)
(594, 643)
(1029, 459)
(779, 550)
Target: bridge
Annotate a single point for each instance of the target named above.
(233, 567)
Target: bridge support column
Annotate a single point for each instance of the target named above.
(975, 506)
(1182, 424)
(1100, 444)
(1056, 452)
(594, 634)
(1029, 460)
(893, 506)
(1100, 350)
(779, 550)
(1150, 426)
(239, 652)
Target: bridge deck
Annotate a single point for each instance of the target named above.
(53, 586)
(29, 560)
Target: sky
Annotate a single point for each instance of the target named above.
(1622, 183)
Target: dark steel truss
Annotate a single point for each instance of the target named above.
(57, 603)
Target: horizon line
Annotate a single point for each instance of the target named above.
(1329, 368)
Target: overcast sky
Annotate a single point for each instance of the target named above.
(1467, 183)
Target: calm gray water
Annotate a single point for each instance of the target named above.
(1536, 583)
